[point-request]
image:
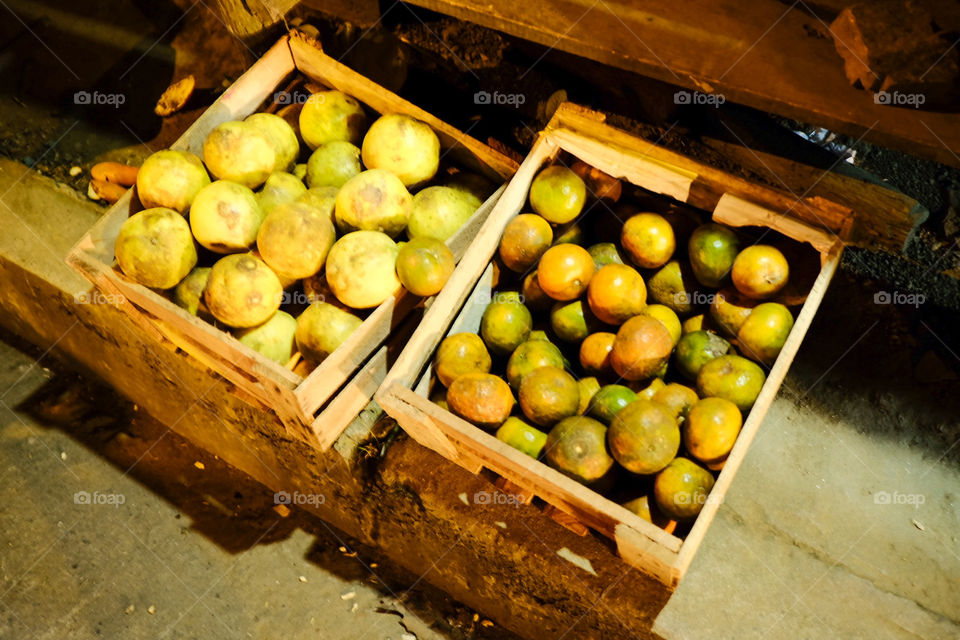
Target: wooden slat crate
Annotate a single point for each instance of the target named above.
(305, 405)
(732, 201)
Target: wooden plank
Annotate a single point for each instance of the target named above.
(774, 56)
(448, 302)
(350, 401)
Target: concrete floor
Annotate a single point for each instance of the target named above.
(115, 527)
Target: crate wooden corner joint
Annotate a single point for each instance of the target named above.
(582, 134)
(317, 407)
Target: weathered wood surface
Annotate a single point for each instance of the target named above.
(769, 55)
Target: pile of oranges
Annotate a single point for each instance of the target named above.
(624, 347)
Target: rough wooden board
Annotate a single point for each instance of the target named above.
(773, 56)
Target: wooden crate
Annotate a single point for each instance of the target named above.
(732, 201)
(307, 406)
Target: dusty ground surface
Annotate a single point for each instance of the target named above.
(115, 526)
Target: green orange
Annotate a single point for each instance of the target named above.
(731, 377)
(697, 348)
(573, 321)
(729, 309)
(530, 356)
(558, 194)
(522, 436)
(609, 400)
(505, 325)
(712, 249)
(678, 397)
(424, 265)
(605, 253)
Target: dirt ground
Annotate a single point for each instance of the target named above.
(131, 531)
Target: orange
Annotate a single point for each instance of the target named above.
(729, 309)
(533, 295)
(530, 356)
(678, 397)
(570, 234)
(648, 239)
(682, 488)
(548, 395)
(458, 354)
(674, 286)
(764, 332)
(565, 271)
(481, 398)
(595, 353)
(506, 323)
(644, 436)
(694, 323)
(641, 348)
(711, 429)
(522, 436)
(424, 265)
(524, 240)
(609, 400)
(558, 194)
(697, 348)
(712, 249)
(573, 321)
(731, 377)
(616, 293)
(588, 389)
(577, 447)
(605, 253)
(760, 271)
(667, 316)
(647, 392)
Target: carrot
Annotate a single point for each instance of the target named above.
(115, 172)
(108, 190)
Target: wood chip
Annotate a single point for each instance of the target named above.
(175, 97)
(919, 525)
(282, 510)
(152, 610)
(75, 171)
(349, 595)
(302, 578)
(199, 465)
(129, 609)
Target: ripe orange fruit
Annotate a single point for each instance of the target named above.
(616, 293)
(533, 295)
(595, 353)
(424, 265)
(667, 316)
(524, 240)
(530, 356)
(711, 429)
(649, 240)
(565, 271)
(760, 271)
(481, 398)
(641, 348)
